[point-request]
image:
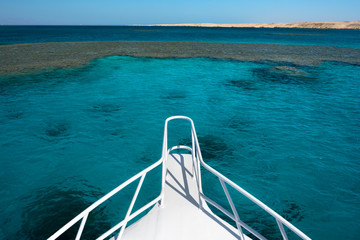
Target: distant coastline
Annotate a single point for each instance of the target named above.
(315, 25)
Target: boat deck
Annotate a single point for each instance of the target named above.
(183, 214)
(180, 217)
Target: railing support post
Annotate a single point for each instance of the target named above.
(164, 165)
(233, 208)
(131, 206)
(282, 230)
(81, 228)
(193, 153)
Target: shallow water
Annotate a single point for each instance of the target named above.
(288, 134)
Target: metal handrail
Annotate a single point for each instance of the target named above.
(235, 217)
(197, 162)
(128, 216)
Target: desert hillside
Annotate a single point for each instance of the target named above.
(319, 25)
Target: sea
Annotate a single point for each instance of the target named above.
(288, 134)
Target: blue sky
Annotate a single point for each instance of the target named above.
(120, 12)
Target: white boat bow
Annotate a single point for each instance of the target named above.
(181, 210)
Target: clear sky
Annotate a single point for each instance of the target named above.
(121, 12)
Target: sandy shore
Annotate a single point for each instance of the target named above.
(318, 25)
(28, 58)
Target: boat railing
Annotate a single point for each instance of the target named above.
(197, 162)
(196, 153)
(128, 217)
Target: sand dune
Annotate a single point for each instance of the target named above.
(318, 25)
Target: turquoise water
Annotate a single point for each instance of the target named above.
(288, 134)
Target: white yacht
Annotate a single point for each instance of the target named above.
(181, 210)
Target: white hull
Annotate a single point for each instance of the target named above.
(181, 210)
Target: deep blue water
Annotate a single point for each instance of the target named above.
(288, 134)
(324, 37)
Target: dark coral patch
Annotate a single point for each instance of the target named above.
(49, 208)
(212, 147)
(283, 75)
(57, 129)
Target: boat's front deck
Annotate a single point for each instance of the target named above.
(180, 216)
